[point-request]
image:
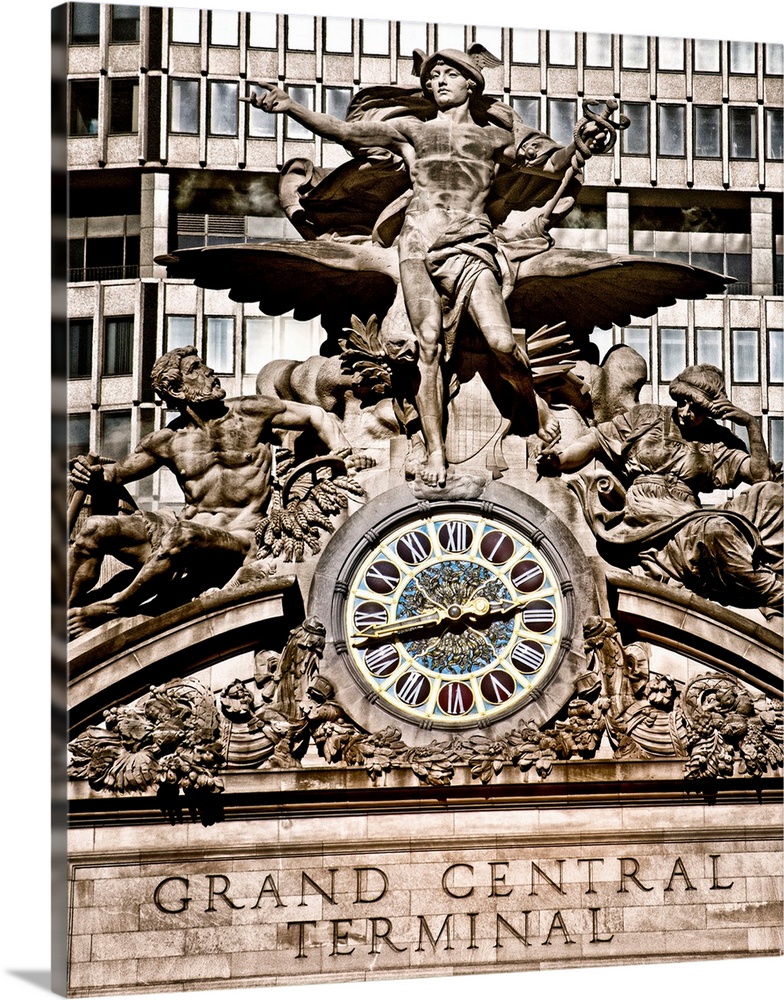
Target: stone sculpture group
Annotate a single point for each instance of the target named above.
(440, 271)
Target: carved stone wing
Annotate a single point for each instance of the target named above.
(331, 279)
(589, 290)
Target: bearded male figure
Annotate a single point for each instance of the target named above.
(449, 259)
(220, 452)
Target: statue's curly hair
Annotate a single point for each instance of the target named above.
(166, 373)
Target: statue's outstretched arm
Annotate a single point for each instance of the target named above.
(376, 133)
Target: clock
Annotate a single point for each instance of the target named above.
(450, 615)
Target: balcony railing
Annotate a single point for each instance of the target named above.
(103, 273)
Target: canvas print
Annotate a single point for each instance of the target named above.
(425, 440)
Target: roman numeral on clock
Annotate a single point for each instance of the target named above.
(527, 656)
(369, 613)
(455, 536)
(413, 688)
(539, 616)
(382, 661)
(455, 699)
(414, 547)
(382, 577)
(527, 576)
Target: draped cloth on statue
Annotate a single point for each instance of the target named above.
(732, 552)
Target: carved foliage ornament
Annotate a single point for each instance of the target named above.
(183, 736)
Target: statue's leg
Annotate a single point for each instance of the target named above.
(423, 304)
(183, 540)
(125, 538)
(488, 311)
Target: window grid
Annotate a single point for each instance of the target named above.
(776, 357)
(118, 345)
(223, 108)
(184, 107)
(185, 26)
(80, 348)
(672, 352)
(219, 344)
(745, 356)
(263, 31)
(598, 50)
(635, 140)
(672, 130)
(707, 132)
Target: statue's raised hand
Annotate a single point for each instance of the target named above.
(276, 101)
(725, 409)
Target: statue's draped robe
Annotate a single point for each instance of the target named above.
(732, 552)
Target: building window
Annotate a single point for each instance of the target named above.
(85, 23)
(411, 36)
(525, 46)
(774, 59)
(223, 107)
(602, 341)
(563, 115)
(635, 140)
(375, 37)
(670, 54)
(118, 346)
(261, 124)
(708, 344)
(185, 106)
(124, 107)
(776, 356)
(305, 97)
(450, 36)
(738, 266)
(639, 339)
(707, 132)
(78, 434)
(337, 100)
(125, 23)
(745, 356)
(672, 344)
(80, 348)
(774, 128)
(707, 56)
(672, 130)
(528, 109)
(634, 52)
(743, 57)
(186, 25)
(776, 439)
(224, 28)
(598, 50)
(743, 133)
(83, 115)
(339, 35)
(258, 345)
(263, 31)
(491, 38)
(710, 261)
(301, 32)
(115, 434)
(180, 332)
(219, 346)
(562, 48)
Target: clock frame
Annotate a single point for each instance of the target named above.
(452, 615)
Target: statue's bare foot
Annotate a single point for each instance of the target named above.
(549, 428)
(433, 470)
(81, 620)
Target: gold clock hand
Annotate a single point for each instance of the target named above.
(401, 625)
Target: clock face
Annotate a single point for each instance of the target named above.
(453, 619)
